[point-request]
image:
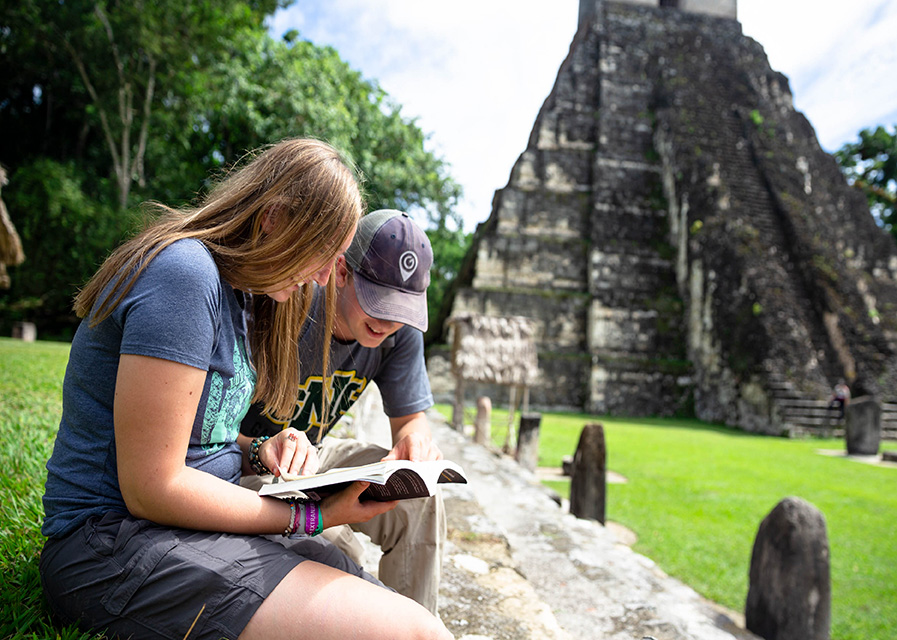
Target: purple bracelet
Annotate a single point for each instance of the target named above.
(311, 518)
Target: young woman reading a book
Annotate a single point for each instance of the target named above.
(149, 533)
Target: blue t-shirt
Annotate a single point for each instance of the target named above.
(179, 309)
(397, 366)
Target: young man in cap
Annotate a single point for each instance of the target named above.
(378, 324)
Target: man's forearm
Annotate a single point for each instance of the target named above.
(415, 423)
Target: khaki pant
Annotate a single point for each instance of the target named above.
(411, 536)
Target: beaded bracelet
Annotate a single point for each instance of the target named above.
(291, 527)
(297, 517)
(257, 465)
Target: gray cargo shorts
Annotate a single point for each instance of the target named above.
(134, 578)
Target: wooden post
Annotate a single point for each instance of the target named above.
(512, 409)
(588, 484)
(483, 424)
(458, 405)
(528, 441)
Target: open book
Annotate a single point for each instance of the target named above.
(390, 480)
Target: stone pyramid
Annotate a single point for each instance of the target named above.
(678, 236)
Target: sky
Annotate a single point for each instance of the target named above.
(473, 74)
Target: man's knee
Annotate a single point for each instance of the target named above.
(345, 539)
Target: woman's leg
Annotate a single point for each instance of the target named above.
(318, 602)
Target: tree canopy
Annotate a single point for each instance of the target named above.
(108, 103)
(870, 164)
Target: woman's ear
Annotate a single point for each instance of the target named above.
(341, 271)
(269, 220)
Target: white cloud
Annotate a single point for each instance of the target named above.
(475, 72)
(840, 60)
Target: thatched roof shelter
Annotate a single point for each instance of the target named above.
(498, 350)
(495, 350)
(11, 252)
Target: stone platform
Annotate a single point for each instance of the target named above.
(518, 566)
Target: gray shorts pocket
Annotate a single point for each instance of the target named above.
(138, 567)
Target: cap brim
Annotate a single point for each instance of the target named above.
(386, 303)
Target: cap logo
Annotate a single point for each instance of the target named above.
(407, 264)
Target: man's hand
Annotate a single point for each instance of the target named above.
(411, 439)
(415, 446)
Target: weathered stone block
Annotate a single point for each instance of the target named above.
(25, 331)
(588, 484)
(527, 454)
(567, 466)
(863, 426)
(789, 597)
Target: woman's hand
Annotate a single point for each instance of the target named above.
(289, 451)
(345, 507)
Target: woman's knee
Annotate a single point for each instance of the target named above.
(329, 603)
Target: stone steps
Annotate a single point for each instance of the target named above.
(805, 416)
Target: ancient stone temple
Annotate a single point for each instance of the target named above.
(677, 235)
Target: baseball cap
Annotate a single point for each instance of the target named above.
(391, 257)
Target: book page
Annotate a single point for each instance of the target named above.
(390, 480)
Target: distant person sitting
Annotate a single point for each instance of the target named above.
(840, 398)
(379, 316)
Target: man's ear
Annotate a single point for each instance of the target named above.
(269, 220)
(341, 271)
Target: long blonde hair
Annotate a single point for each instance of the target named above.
(314, 203)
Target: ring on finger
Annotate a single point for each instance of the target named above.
(292, 437)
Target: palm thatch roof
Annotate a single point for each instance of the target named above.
(11, 252)
(498, 350)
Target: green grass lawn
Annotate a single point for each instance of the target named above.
(696, 494)
(30, 406)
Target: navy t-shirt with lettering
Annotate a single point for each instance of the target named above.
(397, 367)
(179, 309)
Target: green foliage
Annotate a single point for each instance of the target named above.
(259, 90)
(107, 104)
(117, 59)
(871, 166)
(824, 268)
(65, 235)
(449, 248)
